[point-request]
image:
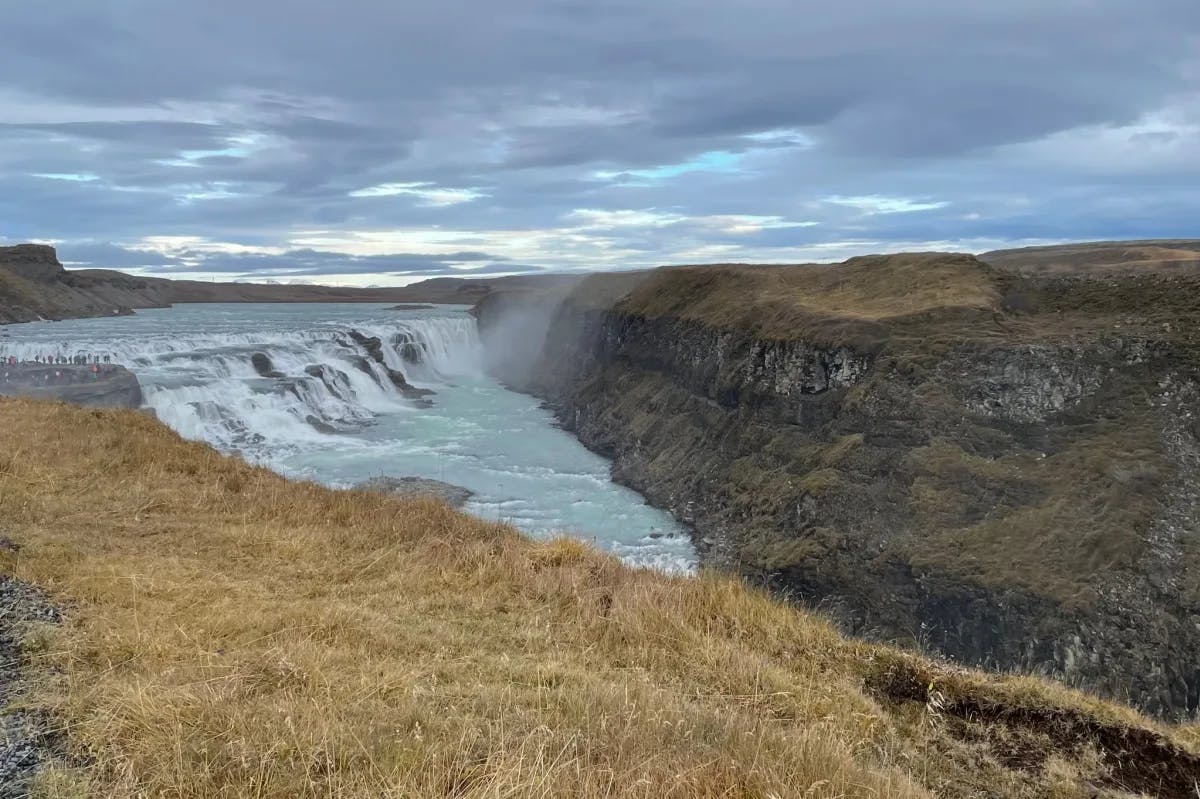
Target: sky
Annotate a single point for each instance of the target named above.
(379, 142)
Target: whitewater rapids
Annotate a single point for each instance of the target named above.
(329, 411)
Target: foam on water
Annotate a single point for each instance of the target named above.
(194, 364)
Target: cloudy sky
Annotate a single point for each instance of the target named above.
(379, 141)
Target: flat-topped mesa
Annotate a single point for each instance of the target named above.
(34, 286)
(37, 262)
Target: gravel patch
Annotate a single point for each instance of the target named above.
(27, 738)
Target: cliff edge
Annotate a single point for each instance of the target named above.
(34, 285)
(93, 386)
(227, 632)
(994, 464)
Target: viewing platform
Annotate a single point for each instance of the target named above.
(93, 385)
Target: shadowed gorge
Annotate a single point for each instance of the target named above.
(994, 464)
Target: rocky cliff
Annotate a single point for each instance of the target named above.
(1000, 468)
(101, 386)
(34, 285)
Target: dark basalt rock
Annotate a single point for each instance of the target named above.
(364, 366)
(374, 348)
(104, 387)
(35, 262)
(407, 389)
(372, 345)
(409, 348)
(411, 487)
(263, 365)
(325, 372)
(320, 426)
(1014, 501)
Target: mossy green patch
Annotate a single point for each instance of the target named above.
(1049, 524)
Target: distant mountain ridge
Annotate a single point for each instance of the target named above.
(1159, 255)
(34, 285)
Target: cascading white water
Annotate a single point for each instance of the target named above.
(327, 410)
(437, 348)
(206, 386)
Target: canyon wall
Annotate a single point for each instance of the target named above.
(930, 450)
(34, 285)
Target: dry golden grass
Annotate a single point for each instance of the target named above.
(774, 301)
(1101, 258)
(1086, 500)
(233, 634)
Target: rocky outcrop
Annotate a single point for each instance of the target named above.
(34, 285)
(1012, 490)
(100, 386)
(264, 366)
(374, 347)
(410, 348)
(320, 426)
(35, 262)
(29, 738)
(413, 487)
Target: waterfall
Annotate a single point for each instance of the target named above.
(320, 381)
(437, 349)
(315, 392)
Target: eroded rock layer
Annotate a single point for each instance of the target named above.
(1001, 468)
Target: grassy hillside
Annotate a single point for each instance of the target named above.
(870, 287)
(847, 302)
(230, 633)
(1105, 257)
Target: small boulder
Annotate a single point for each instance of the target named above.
(413, 487)
(319, 426)
(263, 365)
(406, 388)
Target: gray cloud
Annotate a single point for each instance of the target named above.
(255, 123)
(312, 262)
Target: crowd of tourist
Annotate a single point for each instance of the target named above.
(16, 370)
(79, 359)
